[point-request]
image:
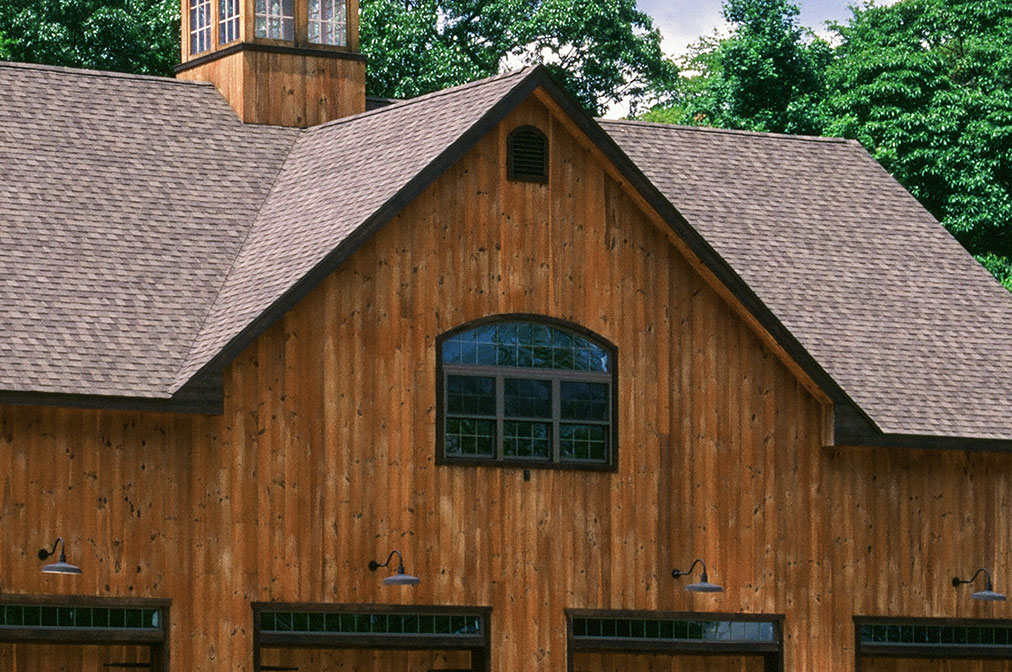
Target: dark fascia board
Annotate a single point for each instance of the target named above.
(267, 49)
(851, 429)
(203, 395)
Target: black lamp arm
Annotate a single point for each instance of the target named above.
(698, 561)
(373, 565)
(956, 580)
(43, 553)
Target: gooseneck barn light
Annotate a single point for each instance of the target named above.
(61, 567)
(400, 577)
(988, 594)
(704, 585)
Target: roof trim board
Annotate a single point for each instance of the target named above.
(269, 49)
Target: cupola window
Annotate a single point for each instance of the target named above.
(328, 22)
(526, 393)
(527, 155)
(275, 19)
(200, 26)
(228, 21)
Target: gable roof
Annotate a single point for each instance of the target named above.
(341, 181)
(127, 293)
(873, 287)
(123, 201)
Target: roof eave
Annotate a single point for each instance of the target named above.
(203, 395)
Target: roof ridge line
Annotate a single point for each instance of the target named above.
(400, 104)
(92, 72)
(224, 278)
(727, 131)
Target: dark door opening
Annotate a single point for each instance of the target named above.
(889, 644)
(645, 641)
(305, 637)
(54, 633)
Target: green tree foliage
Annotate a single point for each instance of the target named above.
(139, 36)
(602, 51)
(926, 87)
(767, 76)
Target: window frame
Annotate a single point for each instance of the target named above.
(346, 38)
(226, 22)
(155, 638)
(479, 645)
(296, 18)
(771, 652)
(864, 650)
(206, 32)
(555, 375)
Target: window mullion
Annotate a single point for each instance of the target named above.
(556, 417)
(500, 413)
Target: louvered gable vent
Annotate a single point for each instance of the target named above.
(527, 155)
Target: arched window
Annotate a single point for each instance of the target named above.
(527, 155)
(525, 392)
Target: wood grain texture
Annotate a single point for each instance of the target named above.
(78, 658)
(616, 662)
(285, 89)
(922, 665)
(310, 660)
(325, 455)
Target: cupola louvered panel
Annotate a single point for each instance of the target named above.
(527, 155)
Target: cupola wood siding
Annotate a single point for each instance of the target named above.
(279, 62)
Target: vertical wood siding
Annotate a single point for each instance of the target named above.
(325, 457)
(285, 89)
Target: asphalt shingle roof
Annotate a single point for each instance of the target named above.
(877, 291)
(123, 201)
(336, 178)
(144, 231)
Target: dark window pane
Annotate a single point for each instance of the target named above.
(524, 344)
(584, 401)
(507, 344)
(470, 395)
(541, 340)
(528, 398)
(527, 440)
(470, 437)
(583, 442)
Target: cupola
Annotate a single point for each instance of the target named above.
(281, 62)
